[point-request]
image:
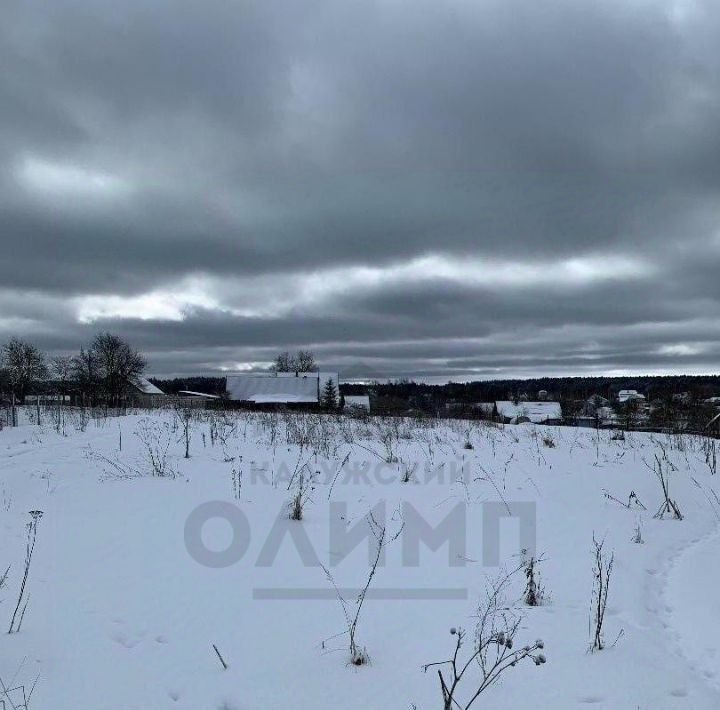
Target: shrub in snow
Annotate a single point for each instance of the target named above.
(668, 506)
(22, 602)
(237, 475)
(408, 471)
(4, 577)
(358, 656)
(303, 486)
(637, 535)
(491, 655)
(155, 438)
(534, 593)
(601, 585)
(709, 448)
(548, 441)
(184, 418)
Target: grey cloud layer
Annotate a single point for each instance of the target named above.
(141, 144)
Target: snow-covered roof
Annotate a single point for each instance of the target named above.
(147, 387)
(625, 395)
(536, 412)
(191, 393)
(258, 388)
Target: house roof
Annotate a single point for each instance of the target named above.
(191, 393)
(536, 412)
(254, 388)
(624, 395)
(147, 387)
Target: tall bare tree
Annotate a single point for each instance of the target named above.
(301, 361)
(24, 364)
(118, 365)
(86, 374)
(61, 368)
(305, 361)
(283, 362)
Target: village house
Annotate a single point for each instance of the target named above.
(626, 395)
(143, 393)
(287, 388)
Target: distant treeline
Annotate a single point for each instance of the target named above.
(558, 388)
(206, 385)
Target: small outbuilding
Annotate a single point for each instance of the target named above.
(144, 393)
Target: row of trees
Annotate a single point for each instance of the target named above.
(102, 372)
(301, 361)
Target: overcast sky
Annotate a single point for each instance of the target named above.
(477, 188)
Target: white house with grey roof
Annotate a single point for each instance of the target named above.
(279, 387)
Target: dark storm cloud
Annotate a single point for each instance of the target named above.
(273, 175)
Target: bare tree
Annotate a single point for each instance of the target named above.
(305, 361)
(86, 373)
(22, 365)
(283, 362)
(630, 413)
(301, 361)
(61, 368)
(118, 365)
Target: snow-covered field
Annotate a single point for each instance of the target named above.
(121, 616)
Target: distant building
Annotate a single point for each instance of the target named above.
(535, 412)
(626, 395)
(144, 393)
(357, 403)
(280, 387)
